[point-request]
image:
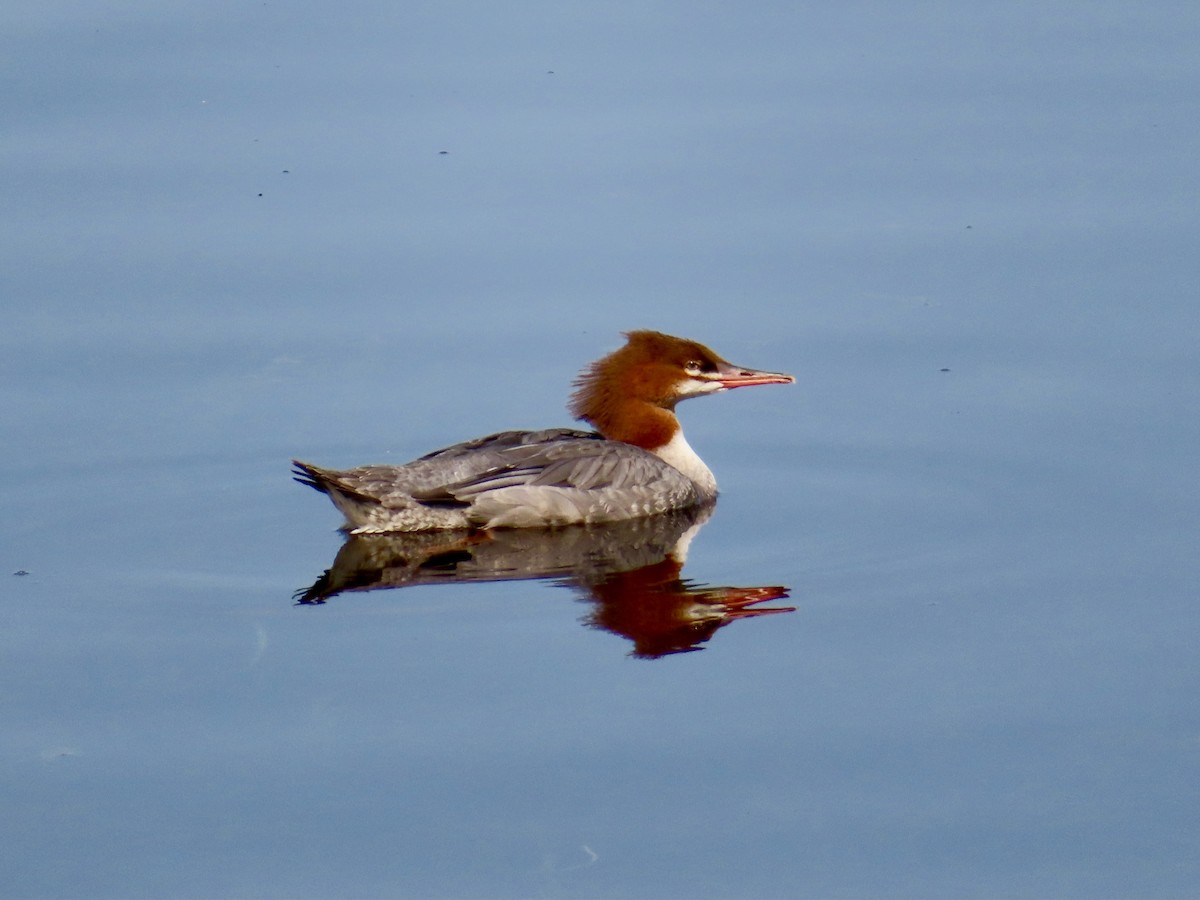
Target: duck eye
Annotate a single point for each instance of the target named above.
(693, 367)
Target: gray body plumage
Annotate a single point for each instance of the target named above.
(511, 479)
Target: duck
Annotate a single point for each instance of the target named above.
(635, 462)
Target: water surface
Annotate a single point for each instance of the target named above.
(237, 234)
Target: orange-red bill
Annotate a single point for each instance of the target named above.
(735, 376)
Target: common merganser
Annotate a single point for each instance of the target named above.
(637, 462)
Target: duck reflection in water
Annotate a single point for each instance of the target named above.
(629, 571)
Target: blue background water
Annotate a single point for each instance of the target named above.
(239, 232)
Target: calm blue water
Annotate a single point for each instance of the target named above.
(237, 233)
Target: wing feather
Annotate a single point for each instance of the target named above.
(580, 465)
(517, 478)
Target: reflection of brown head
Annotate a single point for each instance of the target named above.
(663, 614)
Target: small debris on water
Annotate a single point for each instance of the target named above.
(52, 753)
(20, 572)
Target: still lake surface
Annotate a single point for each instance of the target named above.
(244, 232)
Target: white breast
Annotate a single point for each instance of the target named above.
(679, 454)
